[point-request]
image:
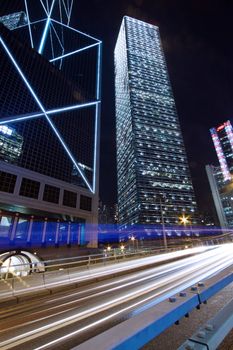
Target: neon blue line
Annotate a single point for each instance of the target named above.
(25, 25)
(51, 40)
(70, 10)
(73, 52)
(18, 119)
(75, 30)
(46, 29)
(95, 147)
(98, 73)
(44, 36)
(57, 36)
(48, 119)
(65, 9)
(52, 111)
(29, 24)
(69, 108)
(45, 10)
(97, 112)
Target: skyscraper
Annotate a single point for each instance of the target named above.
(220, 178)
(222, 137)
(49, 111)
(152, 169)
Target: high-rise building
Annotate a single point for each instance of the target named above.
(10, 144)
(152, 169)
(49, 123)
(222, 137)
(220, 178)
(108, 214)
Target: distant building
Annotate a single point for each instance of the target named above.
(152, 168)
(10, 144)
(108, 214)
(49, 127)
(220, 178)
(14, 20)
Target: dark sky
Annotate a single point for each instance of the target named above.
(197, 40)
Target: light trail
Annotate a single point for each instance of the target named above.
(104, 319)
(130, 265)
(164, 269)
(179, 281)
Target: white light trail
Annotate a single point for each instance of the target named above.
(177, 282)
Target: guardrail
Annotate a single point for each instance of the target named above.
(115, 255)
(111, 256)
(18, 288)
(210, 336)
(139, 330)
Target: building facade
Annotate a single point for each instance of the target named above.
(220, 178)
(152, 169)
(49, 126)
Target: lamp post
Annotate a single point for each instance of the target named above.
(133, 240)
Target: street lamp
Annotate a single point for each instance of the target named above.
(132, 238)
(185, 220)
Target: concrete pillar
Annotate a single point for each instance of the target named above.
(68, 234)
(30, 230)
(44, 232)
(57, 233)
(14, 227)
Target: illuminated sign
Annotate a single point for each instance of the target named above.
(223, 125)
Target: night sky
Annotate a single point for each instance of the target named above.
(197, 40)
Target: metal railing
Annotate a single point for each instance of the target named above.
(108, 256)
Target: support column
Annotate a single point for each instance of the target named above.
(30, 230)
(68, 234)
(57, 233)
(79, 233)
(43, 242)
(14, 228)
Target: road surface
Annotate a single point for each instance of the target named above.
(64, 320)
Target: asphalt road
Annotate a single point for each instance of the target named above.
(64, 320)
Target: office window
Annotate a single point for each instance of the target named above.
(51, 194)
(29, 188)
(69, 199)
(85, 203)
(7, 182)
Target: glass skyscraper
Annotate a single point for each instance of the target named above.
(49, 118)
(220, 178)
(152, 169)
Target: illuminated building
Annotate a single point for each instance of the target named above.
(14, 20)
(222, 137)
(108, 214)
(152, 168)
(10, 144)
(220, 178)
(50, 100)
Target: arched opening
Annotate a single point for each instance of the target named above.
(15, 265)
(19, 264)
